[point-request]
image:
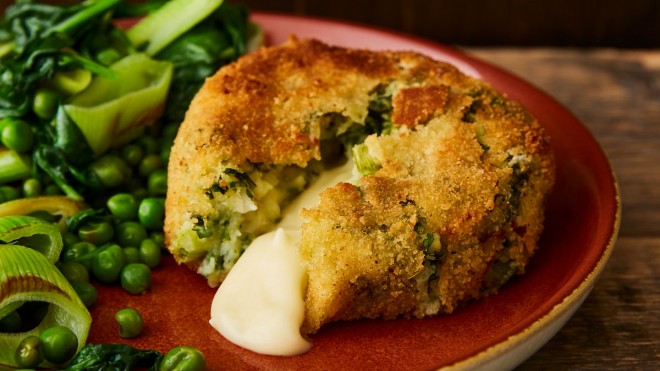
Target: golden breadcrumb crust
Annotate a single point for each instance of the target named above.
(461, 188)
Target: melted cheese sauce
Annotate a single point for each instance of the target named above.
(260, 306)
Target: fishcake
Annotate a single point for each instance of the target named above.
(452, 177)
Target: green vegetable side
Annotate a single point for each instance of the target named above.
(36, 280)
(77, 90)
(89, 108)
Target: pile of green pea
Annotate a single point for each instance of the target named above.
(139, 167)
(58, 345)
(121, 248)
(125, 246)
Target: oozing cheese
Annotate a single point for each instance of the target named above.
(260, 305)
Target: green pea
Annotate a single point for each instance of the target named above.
(60, 344)
(108, 56)
(30, 352)
(111, 170)
(130, 322)
(132, 254)
(166, 153)
(11, 322)
(183, 359)
(108, 263)
(152, 213)
(123, 206)
(16, 134)
(45, 103)
(136, 278)
(52, 190)
(150, 253)
(77, 252)
(31, 187)
(74, 271)
(149, 144)
(132, 154)
(9, 193)
(167, 139)
(86, 292)
(149, 164)
(96, 232)
(158, 237)
(71, 81)
(157, 183)
(169, 132)
(130, 233)
(69, 239)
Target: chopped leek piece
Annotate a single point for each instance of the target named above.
(480, 131)
(14, 166)
(72, 81)
(33, 233)
(170, 21)
(6, 48)
(94, 9)
(111, 112)
(365, 162)
(32, 278)
(255, 37)
(59, 206)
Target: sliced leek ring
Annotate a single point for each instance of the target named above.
(26, 276)
(34, 233)
(61, 206)
(114, 111)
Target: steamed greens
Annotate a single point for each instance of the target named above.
(86, 86)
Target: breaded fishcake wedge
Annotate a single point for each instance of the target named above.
(448, 207)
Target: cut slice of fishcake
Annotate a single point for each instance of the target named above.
(436, 225)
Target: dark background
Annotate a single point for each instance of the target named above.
(577, 23)
(572, 23)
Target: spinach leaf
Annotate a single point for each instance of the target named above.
(118, 357)
(87, 215)
(70, 140)
(198, 53)
(134, 10)
(63, 154)
(39, 43)
(51, 161)
(233, 19)
(42, 38)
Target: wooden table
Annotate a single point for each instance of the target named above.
(616, 94)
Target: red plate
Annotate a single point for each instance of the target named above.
(501, 331)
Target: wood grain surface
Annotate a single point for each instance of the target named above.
(616, 94)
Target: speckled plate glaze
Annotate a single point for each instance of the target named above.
(498, 332)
